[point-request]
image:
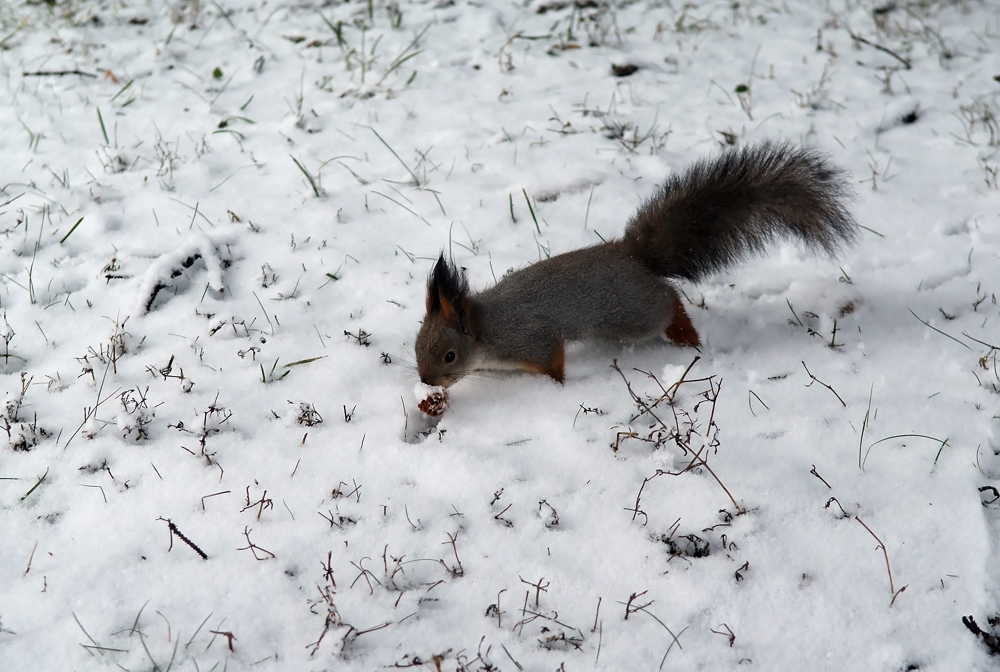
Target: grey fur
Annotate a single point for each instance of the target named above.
(716, 213)
(722, 210)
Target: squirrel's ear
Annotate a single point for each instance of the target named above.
(446, 291)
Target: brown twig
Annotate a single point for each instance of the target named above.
(504, 520)
(698, 460)
(366, 573)
(623, 435)
(261, 504)
(833, 338)
(58, 73)
(539, 588)
(214, 494)
(817, 380)
(906, 62)
(895, 593)
(636, 510)
(681, 438)
(629, 609)
(670, 392)
(173, 530)
(499, 613)
(990, 639)
(452, 539)
(728, 634)
(30, 558)
(635, 397)
(252, 547)
(553, 520)
(816, 474)
(524, 611)
(230, 637)
(831, 501)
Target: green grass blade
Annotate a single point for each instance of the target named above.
(303, 361)
(63, 239)
(35, 486)
(532, 211)
(103, 130)
(312, 182)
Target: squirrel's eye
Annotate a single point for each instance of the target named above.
(449, 357)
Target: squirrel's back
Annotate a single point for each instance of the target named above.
(721, 210)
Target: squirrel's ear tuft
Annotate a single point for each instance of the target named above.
(433, 299)
(446, 290)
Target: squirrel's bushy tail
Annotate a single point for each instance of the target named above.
(724, 209)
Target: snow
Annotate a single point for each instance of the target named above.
(217, 224)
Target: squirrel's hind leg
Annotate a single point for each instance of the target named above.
(680, 330)
(554, 368)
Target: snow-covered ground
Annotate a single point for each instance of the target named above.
(217, 221)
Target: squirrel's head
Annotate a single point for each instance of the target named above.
(446, 342)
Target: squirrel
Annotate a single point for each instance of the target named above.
(715, 214)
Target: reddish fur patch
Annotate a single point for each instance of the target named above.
(447, 310)
(681, 331)
(555, 369)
